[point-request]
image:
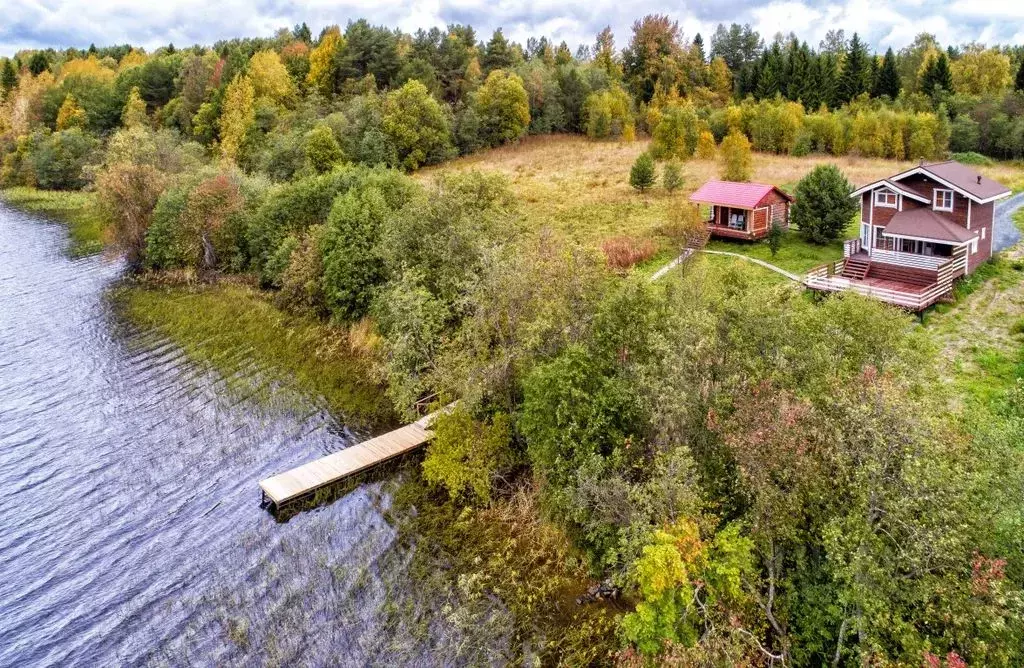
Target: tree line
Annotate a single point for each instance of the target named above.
(407, 100)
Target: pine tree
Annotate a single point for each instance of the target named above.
(1019, 83)
(854, 79)
(498, 54)
(888, 81)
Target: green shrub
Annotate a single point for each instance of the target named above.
(353, 265)
(775, 235)
(972, 158)
(466, 453)
(57, 160)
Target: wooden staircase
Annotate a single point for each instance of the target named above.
(856, 266)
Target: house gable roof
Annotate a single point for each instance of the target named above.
(925, 224)
(962, 178)
(886, 183)
(734, 194)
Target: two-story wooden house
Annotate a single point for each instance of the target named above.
(920, 230)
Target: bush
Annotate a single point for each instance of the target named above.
(823, 207)
(972, 158)
(622, 253)
(736, 158)
(57, 160)
(641, 175)
(775, 235)
(353, 266)
(301, 274)
(466, 453)
(672, 176)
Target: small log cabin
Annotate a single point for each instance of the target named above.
(743, 210)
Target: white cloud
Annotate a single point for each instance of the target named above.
(61, 23)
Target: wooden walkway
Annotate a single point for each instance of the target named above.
(303, 480)
(690, 251)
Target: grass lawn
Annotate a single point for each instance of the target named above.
(237, 331)
(75, 209)
(981, 336)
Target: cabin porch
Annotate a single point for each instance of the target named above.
(913, 281)
(731, 222)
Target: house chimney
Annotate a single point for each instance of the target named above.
(979, 179)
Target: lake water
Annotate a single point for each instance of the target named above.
(130, 526)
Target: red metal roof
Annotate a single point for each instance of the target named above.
(731, 193)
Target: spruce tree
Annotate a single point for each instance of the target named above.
(772, 80)
(1019, 83)
(937, 76)
(854, 79)
(698, 48)
(8, 76)
(888, 81)
(641, 175)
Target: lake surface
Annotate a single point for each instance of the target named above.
(130, 526)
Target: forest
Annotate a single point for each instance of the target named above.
(762, 478)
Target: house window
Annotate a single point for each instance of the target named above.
(886, 198)
(983, 233)
(738, 220)
(943, 200)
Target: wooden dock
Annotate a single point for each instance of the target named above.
(302, 481)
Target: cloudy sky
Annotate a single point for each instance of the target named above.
(151, 23)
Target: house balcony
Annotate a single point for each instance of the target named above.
(907, 280)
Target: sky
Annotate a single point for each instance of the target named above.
(152, 23)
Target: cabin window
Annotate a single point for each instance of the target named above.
(886, 198)
(738, 220)
(943, 200)
(983, 233)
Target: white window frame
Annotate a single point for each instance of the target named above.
(885, 202)
(935, 199)
(983, 233)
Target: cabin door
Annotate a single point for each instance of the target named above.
(865, 237)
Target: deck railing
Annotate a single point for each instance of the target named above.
(828, 277)
(884, 252)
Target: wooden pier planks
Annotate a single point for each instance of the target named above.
(305, 479)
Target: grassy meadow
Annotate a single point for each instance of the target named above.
(76, 209)
(581, 188)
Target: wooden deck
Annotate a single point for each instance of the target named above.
(303, 480)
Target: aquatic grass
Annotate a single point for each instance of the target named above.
(76, 209)
(236, 330)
